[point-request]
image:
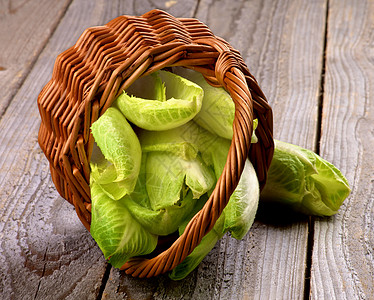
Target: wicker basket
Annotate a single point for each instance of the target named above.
(106, 60)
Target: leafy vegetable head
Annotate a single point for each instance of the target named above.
(305, 181)
(159, 221)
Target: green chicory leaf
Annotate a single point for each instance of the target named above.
(163, 221)
(237, 218)
(187, 141)
(117, 233)
(177, 157)
(116, 165)
(302, 179)
(165, 186)
(217, 111)
(158, 215)
(174, 102)
(241, 210)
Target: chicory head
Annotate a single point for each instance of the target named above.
(159, 221)
(303, 180)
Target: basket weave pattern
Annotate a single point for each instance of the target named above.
(106, 60)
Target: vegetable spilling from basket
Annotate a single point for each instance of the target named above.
(158, 153)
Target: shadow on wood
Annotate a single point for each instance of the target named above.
(276, 214)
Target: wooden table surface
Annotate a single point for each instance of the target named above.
(315, 63)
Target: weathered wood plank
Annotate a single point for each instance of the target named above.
(270, 262)
(45, 252)
(44, 246)
(180, 9)
(343, 260)
(25, 27)
(282, 43)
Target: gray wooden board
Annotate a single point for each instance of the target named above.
(46, 253)
(282, 43)
(343, 255)
(25, 27)
(270, 261)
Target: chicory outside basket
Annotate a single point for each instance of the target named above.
(106, 60)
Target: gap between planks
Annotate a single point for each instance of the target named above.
(317, 147)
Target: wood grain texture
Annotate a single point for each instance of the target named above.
(45, 252)
(343, 256)
(282, 43)
(178, 8)
(269, 263)
(25, 27)
(254, 263)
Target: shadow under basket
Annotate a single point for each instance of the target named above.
(106, 60)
